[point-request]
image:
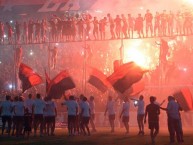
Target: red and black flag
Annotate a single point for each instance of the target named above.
(137, 88)
(28, 77)
(60, 84)
(184, 98)
(98, 80)
(125, 76)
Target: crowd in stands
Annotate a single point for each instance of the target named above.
(79, 27)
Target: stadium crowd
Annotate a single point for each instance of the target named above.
(25, 116)
(78, 27)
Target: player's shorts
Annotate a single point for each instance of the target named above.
(125, 119)
(112, 117)
(6, 119)
(85, 120)
(154, 125)
(71, 118)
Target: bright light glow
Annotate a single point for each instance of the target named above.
(171, 42)
(82, 53)
(5, 36)
(31, 52)
(11, 21)
(0, 62)
(138, 57)
(184, 38)
(57, 44)
(141, 8)
(106, 70)
(99, 11)
(137, 43)
(148, 45)
(188, 2)
(10, 86)
(185, 69)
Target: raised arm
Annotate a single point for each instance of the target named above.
(162, 102)
(165, 109)
(158, 111)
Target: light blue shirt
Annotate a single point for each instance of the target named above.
(126, 107)
(19, 108)
(86, 109)
(50, 109)
(72, 106)
(173, 110)
(28, 103)
(6, 107)
(39, 106)
(111, 107)
(140, 109)
(92, 107)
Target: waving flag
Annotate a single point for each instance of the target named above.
(98, 80)
(137, 88)
(60, 84)
(184, 98)
(125, 76)
(28, 77)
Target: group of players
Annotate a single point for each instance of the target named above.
(80, 26)
(23, 115)
(151, 110)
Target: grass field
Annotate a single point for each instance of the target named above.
(101, 137)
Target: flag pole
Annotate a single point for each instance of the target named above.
(15, 67)
(121, 49)
(84, 63)
(49, 29)
(84, 66)
(49, 52)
